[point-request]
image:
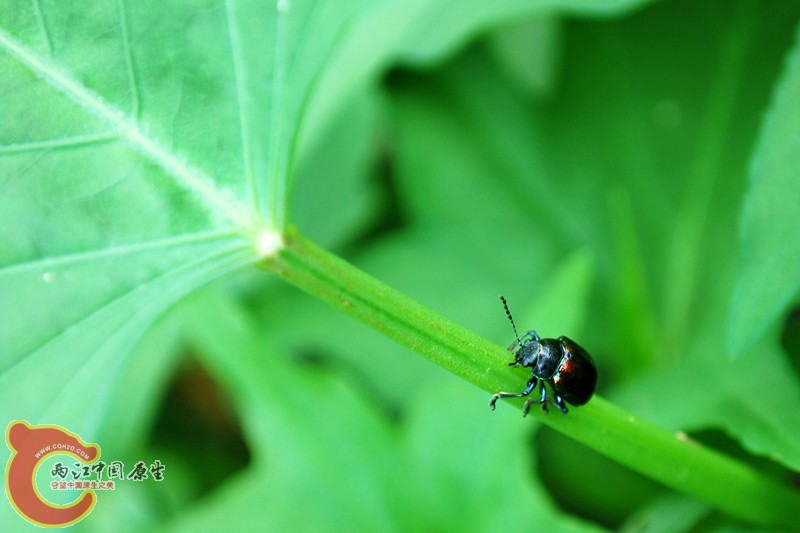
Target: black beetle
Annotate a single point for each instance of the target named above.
(561, 362)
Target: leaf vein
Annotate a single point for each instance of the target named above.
(224, 261)
(74, 141)
(43, 31)
(244, 124)
(188, 176)
(115, 251)
(133, 83)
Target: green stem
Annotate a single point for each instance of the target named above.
(666, 457)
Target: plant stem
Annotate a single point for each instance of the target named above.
(672, 459)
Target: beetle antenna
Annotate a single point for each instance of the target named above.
(508, 313)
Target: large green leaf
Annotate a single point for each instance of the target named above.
(770, 275)
(139, 162)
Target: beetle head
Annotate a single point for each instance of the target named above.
(528, 353)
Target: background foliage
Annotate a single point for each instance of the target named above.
(626, 174)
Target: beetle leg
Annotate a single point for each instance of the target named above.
(560, 403)
(543, 400)
(528, 388)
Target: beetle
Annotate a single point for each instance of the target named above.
(568, 368)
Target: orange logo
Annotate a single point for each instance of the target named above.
(29, 446)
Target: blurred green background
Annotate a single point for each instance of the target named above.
(588, 170)
(591, 164)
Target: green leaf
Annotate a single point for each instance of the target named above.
(423, 32)
(138, 164)
(534, 71)
(668, 513)
(336, 170)
(770, 247)
(712, 391)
